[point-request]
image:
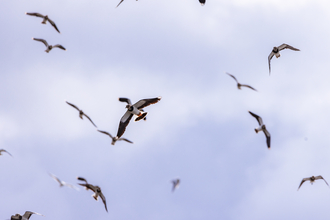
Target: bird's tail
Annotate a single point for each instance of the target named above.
(141, 116)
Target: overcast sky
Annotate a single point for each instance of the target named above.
(200, 131)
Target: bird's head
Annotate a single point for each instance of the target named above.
(129, 107)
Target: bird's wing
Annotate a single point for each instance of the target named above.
(269, 58)
(73, 105)
(3, 150)
(54, 25)
(267, 137)
(320, 177)
(287, 46)
(249, 87)
(302, 181)
(71, 186)
(41, 40)
(128, 101)
(35, 14)
(28, 214)
(123, 123)
(124, 139)
(120, 3)
(104, 201)
(55, 178)
(259, 119)
(146, 102)
(90, 119)
(88, 186)
(82, 179)
(59, 46)
(233, 77)
(104, 132)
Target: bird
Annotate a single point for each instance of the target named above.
(262, 128)
(45, 19)
(49, 47)
(26, 216)
(120, 3)
(62, 183)
(240, 85)
(3, 150)
(176, 183)
(114, 139)
(81, 113)
(202, 2)
(312, 179)
(128, 101)
(96, 189)
(134, 110)
(276, 52)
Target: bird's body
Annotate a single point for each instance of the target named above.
(176, 184)
(115, 139)
(135, 109)
(262, 127)
(312, 180)
(276, 52)
(49, 47)
(3, 150)
(81, 113)
(44, 20)
(239, 85)
(26, 216)
(96, 189)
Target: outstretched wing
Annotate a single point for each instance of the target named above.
(104, 132)
(233, 77)
(56, 178)
(249, 87)
(259, 119)
(54, 25)
(35, 14)
(73, 105)
(123, 123)
(90, 120)
(28, 214)
(104, 201)
(41, 40)
(120, 3)
(88, 186)
(287, 46)
(124, 139)
(146, 102)
(320, 177)
(82, 179)
(269, 58)
(3, 150)
(128, 101)
(267, 137)
(302, 181)
(59, 46)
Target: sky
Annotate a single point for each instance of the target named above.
(200, 131)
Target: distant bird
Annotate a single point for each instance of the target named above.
(276, 52)
(202, 2)
(120, 3)
(240, 85)
(81, 113)
(26, 216)
(96, 189)
(262, 128)
(128, 101)
(49, 47)
(3, 150)
(312, 179)
(134, 110)
(62, 183)
(114, 139)
(45, 19)
(176, 184)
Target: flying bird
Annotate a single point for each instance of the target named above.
(262, 128)
(81, 113)
(114, 139)
(311, 179)
(276, 52)
(176, 184)
(202, 2)
(134, 110)
(240, 85)
(120, 3)
(26, 216)
(96, 189)
(62, 183)
(49, 47)
(3, 150)
(45, 19)
(128, 101)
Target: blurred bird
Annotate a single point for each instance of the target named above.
(62, 183)
(128, 101)
(49, 47)
(134, 110)
(120, 3)
(26, 216)
(3, 150)
(176, 184)
(240, 85)
(45, 19)
(312, 179)
(202, 2)
(96, 189)
(115, 139)
(81, 113)
(262, 128)
(276, 52)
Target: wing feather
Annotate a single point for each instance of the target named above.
(128, 101)
(123, 123)
(259, 119)
(54, 25)
(35, 14)
(59, 46)
(41, 40)
(287, 46)
(146, 102)
(104, 132)
(233, 77)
